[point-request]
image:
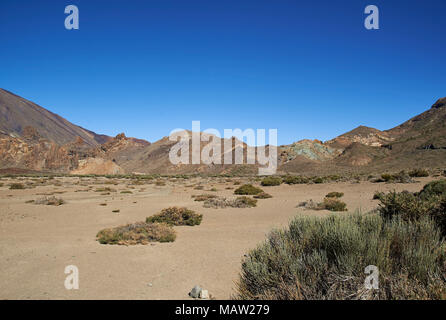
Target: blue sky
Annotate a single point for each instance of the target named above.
(309, 69)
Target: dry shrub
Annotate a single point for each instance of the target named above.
(334, 194)
(325, 258)
(221, 202)
(137, 233)
(177, 217)
(203, 197)
(50, 201)
(331, 204)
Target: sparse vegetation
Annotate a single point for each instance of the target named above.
(418, 173)
(271, 181)
(105, 190)
(126, 192)
(176, 216)
(335, 194)
(247, 189)
(324, 258)
(137, 233)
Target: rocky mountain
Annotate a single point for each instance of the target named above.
(17, 114)
(32, 138)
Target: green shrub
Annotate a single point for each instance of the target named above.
(271, 181)
(295, 180)
(325, 258)
(335, 194)
(418, 173)
(177, 217)
(247, 189)
(434, 188)
(137, 233)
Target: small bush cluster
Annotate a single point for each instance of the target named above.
(324, 258)
(177, 217)
(247, 189)
(137, 233)
(271, 181)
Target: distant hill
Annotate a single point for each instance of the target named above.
(33, 138)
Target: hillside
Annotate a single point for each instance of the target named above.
(17, 113)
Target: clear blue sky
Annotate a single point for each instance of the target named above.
(309, 69)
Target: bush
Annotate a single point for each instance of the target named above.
(263, 195)
(50, 201)
(418, 173)
(295, 180)
(16, 186)
(335, 194)
(415, 206)
(137, 233)
(325, 258)
(332, 204)
(247, 189)
(177, 217)
(244, 202)
(271, 181)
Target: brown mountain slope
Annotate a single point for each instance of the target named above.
(17, 113)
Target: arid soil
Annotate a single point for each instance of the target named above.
(37, 242)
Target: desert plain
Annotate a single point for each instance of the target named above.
(38, 241)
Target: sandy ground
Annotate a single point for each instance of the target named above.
(37, 242)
